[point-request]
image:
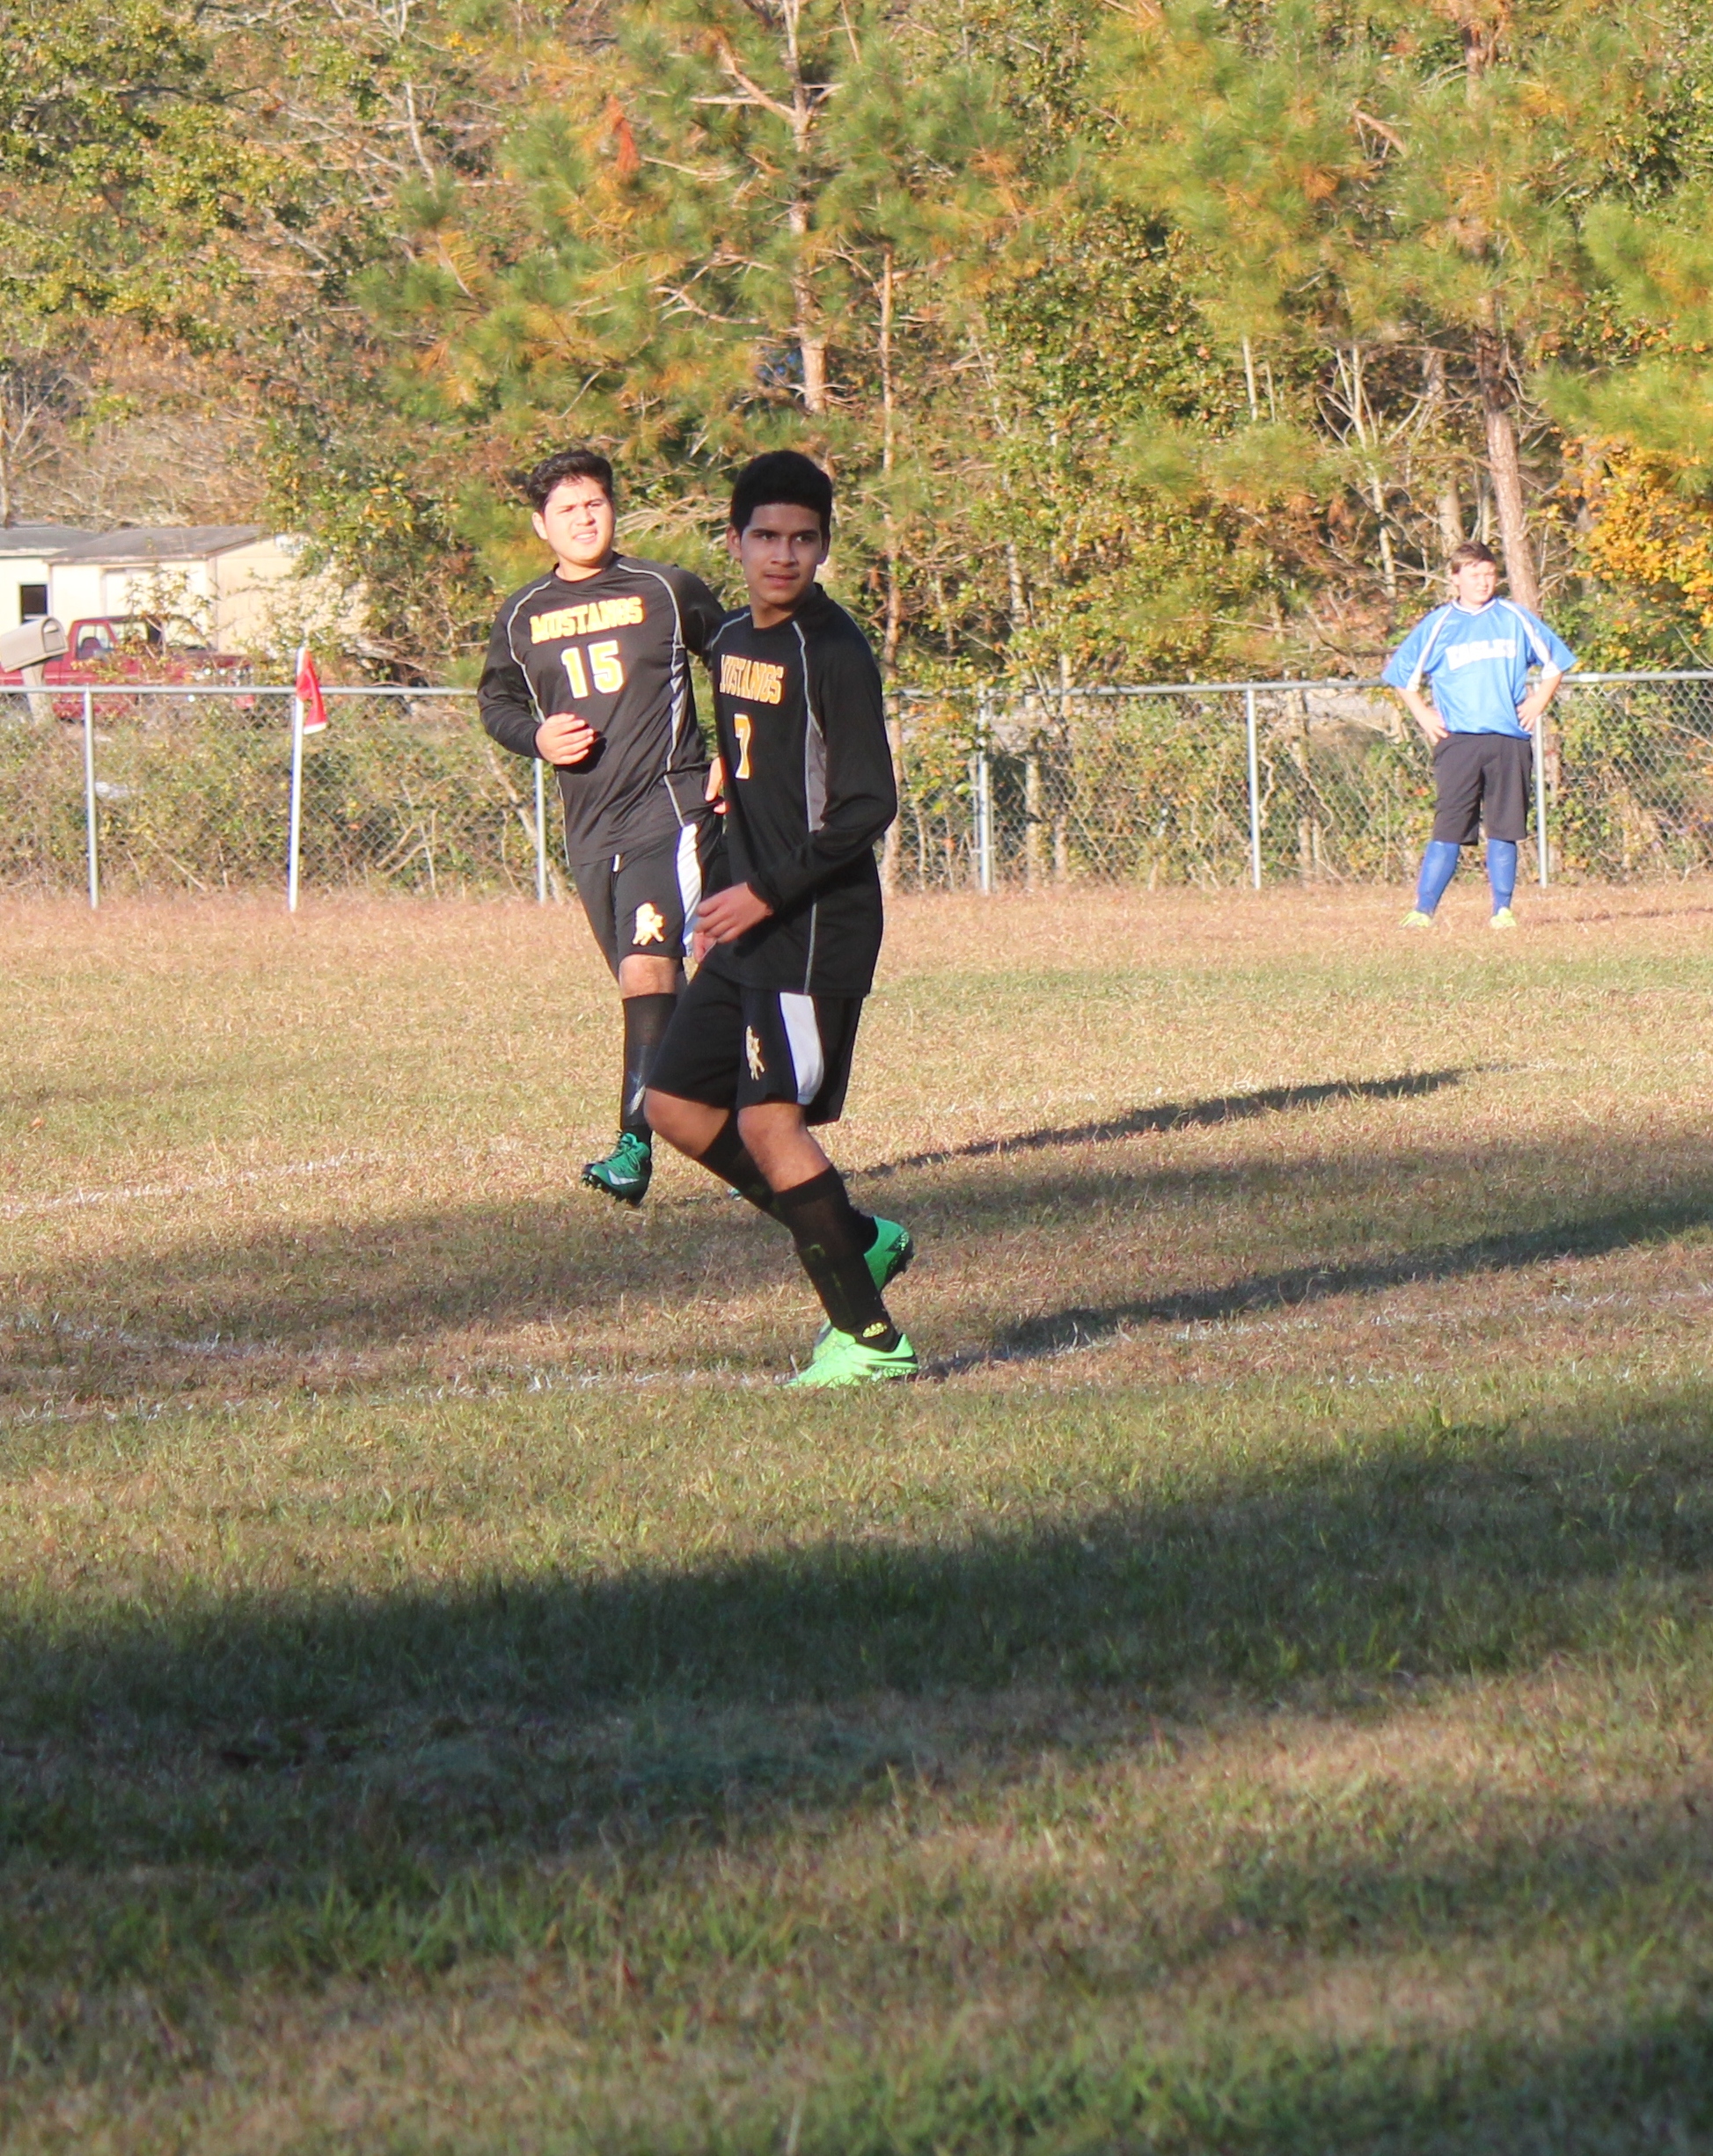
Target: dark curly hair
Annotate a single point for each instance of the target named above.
(578, 464)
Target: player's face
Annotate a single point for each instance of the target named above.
(578, 522)
(779, 550)
(1474, 583)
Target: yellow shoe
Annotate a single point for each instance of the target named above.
(1416, 918)
(1503, 918)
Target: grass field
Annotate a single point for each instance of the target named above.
(1253, 1695)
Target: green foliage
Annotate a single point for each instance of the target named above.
(1167, 341)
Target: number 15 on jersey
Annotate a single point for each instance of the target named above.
(604, 664)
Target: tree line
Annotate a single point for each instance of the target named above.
(1144, 341)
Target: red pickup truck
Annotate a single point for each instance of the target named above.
(109, 650)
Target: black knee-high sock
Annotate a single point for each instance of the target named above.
(832, 1236)
(731, 1160)
(729, 1157)
(645, 1020)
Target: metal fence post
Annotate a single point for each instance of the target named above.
(540, 832)
(90, 837)
(295, 820)
(984, 804)
(1541, 795)
(1255, 789)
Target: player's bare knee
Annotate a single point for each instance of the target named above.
(663, 1112)
(650, 977)
(684, 1124)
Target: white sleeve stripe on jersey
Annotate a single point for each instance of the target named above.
(1429, 643)
(680, 661)
(1537, 644)
(528, 592)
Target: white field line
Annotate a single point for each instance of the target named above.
(966, 1362)
(508, 1381)
(569, 1382)
(132, 1193)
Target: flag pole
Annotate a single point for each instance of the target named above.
(296, 816)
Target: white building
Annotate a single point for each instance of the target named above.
(25, 550)
(228, 579)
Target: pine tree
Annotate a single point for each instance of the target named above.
(742, 225)
(1388, 204)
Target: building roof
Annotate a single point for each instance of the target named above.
(39, 538)
(147, 543)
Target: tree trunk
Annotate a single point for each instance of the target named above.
(1451, 517)
(811, 336)
(1450, 504)
(895, 608)
(1504, 465)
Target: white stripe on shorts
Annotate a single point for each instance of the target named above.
(803, 1037)
(690, 879)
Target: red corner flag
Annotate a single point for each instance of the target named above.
(309, 693)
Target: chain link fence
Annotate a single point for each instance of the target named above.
(122, 790)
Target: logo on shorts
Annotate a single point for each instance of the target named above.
(650, 924)
(752, 1049)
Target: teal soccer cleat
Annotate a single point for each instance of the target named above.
(624, 1174)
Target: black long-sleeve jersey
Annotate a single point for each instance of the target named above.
(615, 649)
(809, 778)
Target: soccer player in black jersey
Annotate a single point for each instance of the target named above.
(588, 669)
(760, 1047)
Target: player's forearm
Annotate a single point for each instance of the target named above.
(1543, 692)
(1422, 711)
(507, 710)
(852, 829)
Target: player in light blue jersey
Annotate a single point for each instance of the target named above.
(1475, 655)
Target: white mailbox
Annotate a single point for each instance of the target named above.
(34, 645)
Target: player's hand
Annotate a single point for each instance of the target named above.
(1436, 729)
(1528, 714)
(729, 915)
(715, 791)
(563, 739)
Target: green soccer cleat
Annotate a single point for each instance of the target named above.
(890, 1253)
(624, 1174)
(886, 1257)
(1416, 918)
(840, 1358)
(1503, 918)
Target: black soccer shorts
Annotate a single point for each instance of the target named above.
(1482, 778)
(643, 904)
(732, 1047)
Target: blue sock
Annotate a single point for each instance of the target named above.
(1439, 866)
(1502, 869)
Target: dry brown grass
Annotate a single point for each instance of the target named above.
(244, 1151)
(1254, 1695)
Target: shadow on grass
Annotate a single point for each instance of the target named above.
(1647, 2086)
(202, 1788)
(1182, 1114)
(1439, 1551)
(401, 1281)
(1628, 1227)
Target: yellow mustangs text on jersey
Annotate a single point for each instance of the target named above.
(585, 620)
(753, 679)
